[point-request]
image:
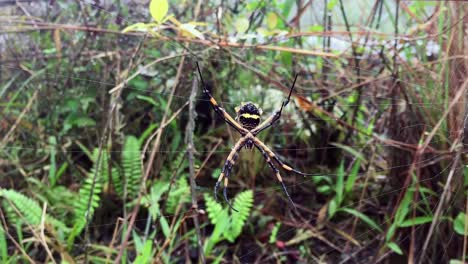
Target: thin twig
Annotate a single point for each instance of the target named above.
(452, 170)
(42, 233)
(190, 150)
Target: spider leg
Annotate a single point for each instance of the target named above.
(272, 155)
(226, 171)
(277, 173)
(219, 110)
(276, 116)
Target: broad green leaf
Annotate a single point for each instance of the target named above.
(456, 261)
(459, 224)
(241, 25)
(272, 20)
(158, 9)
(416, 221)
(395, 248)
(363, 217)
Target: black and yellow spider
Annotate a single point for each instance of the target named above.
(247, 123)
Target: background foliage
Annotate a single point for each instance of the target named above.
(95, 130)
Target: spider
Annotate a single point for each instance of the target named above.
(247, 123)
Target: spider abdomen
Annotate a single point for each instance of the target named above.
(248, 115)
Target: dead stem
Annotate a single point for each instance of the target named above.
(190, 151)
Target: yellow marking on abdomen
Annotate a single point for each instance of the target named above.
(250, 116)
(213, 101)
(286, 167)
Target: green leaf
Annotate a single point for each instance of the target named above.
(145, 254)
(147, 99)
(324, 189)
(272, 20)
(215, 174)
(395, 248)
(332, 208)
(165, 226)
(362, 216)
(220, 227)
(158, 9)
(53, 164)
(331, 4)
(3, 246)
(352, 176)
(243, 202)
(131, 163)
(286, 58)
(274, 233)
(339, 187)
(241, 25)
(403, 209)
(136, 27)
(416, 221)
(213, 208)
(390, 232)
(456, 261)
(459, 224)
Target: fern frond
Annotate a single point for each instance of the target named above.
(117, 181)
(243, 202)
(89, 192)
(213, 208)
(151, 200)
(131, 162)
(29, 210)
(179, 163)
(178, 195)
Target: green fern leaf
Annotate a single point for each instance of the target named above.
(243, 202)
(179, 194)
(89, 192)
(29, 210)
(117, 181)
(213, 208)
(131, 162)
